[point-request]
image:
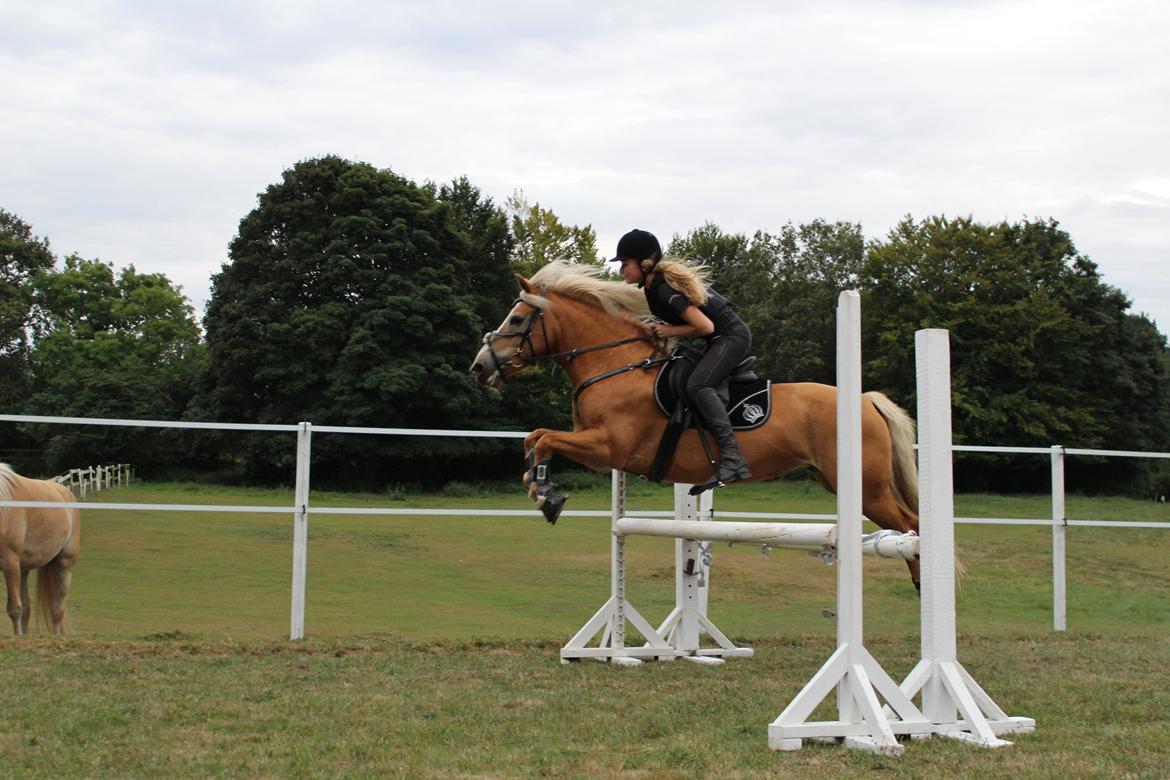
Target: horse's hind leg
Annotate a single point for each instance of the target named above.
(885, 511)
(12, 580)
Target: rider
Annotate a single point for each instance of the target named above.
(679, 296)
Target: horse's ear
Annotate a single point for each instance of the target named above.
(525, 285)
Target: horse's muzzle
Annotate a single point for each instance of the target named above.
(484, 374)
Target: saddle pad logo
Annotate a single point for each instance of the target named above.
(752, 412)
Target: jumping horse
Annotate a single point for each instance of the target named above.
(597, 331)
(43, 538)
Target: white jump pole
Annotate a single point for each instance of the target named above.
(820, 538)
(953, 702)
(300, 531)
(851, 670)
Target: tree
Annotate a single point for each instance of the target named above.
(1043, 351)
(541, 237)
(106, 345)
(355, 297)
(22, 256)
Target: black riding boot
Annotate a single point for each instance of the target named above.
(732, 466)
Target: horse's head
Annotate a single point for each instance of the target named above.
(522, 336)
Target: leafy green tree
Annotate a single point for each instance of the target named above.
(1042, 350)
(122, 345)
(22, 256)
(356, 297)
(541, 237)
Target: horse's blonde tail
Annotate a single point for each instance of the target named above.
(50, 581)
(904, 483)
(46, 589)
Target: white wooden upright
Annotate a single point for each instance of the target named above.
(1059, 521)
(952, 700)
(851, 670)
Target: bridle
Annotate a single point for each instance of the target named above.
(520, 359)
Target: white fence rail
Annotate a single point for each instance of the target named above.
(301, 508)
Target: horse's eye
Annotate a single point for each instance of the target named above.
(516, 320)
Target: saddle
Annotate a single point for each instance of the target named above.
(746, 397)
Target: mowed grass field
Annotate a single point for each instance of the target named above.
(432, 646)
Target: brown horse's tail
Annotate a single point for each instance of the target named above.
(902, 435)
(48, 583)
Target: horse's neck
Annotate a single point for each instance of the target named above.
(580, 326)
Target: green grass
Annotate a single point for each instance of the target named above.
(432, 648)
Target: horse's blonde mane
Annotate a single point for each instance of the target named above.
(7, 480)
(586, 283)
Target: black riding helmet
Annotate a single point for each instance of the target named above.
(639, 245)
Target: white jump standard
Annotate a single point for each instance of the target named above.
(681, 634)
(850, 671)
(951, 699)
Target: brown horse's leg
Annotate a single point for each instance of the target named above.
(886, 512)
(589, 447)
(12, 580)
(879, 505)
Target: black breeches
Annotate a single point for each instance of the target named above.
(728, 347)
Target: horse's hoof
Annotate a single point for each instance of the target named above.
(554, 502)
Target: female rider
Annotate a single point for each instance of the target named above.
(679, 296)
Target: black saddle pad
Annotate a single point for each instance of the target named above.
(749, 404)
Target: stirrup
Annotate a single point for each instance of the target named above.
(715, 482)
(703, 488)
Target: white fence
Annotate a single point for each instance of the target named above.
(301, 508)
(95, 478)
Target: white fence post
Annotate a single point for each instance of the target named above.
(300, 531)
(1059, 521)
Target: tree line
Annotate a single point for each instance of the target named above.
(353, 296)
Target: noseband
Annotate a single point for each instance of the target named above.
(517, 360)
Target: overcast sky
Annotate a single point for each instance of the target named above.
(142, 132)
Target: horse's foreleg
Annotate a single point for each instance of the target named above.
(589, 447)
(12, 580)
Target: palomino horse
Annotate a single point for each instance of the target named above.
(39, 538)
(596, 330)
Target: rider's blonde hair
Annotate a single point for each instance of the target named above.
(684, 275)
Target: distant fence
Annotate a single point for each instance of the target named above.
(300, 509)
(94, 479)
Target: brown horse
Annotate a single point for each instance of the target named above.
(596, 330)
(43, 538)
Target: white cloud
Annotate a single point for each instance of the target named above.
(142, 133)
